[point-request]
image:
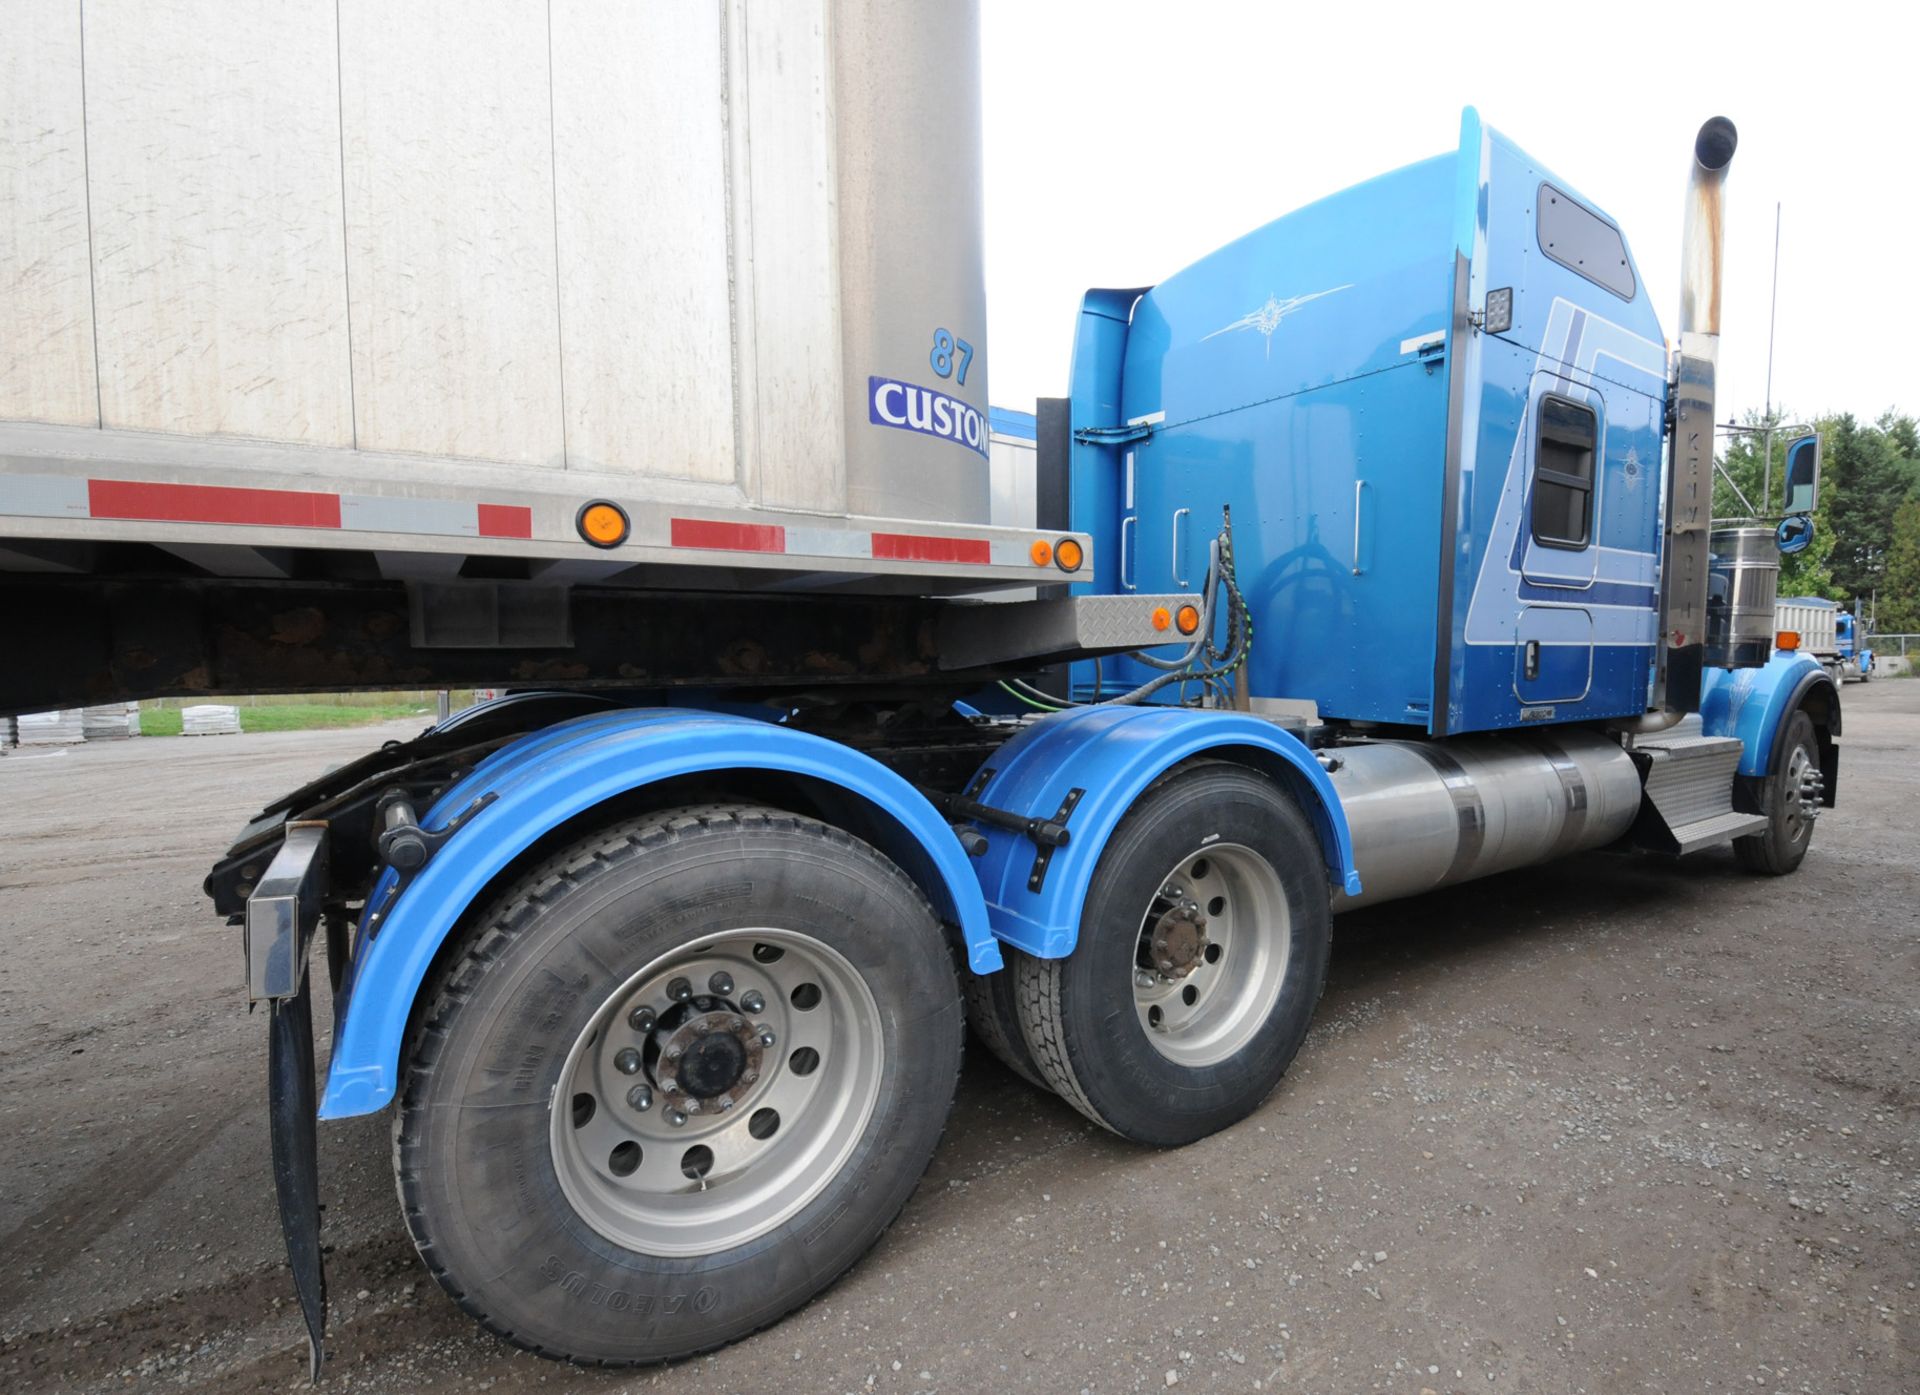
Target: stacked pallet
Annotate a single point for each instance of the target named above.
(59, 728)
(210, 719)
(113, 721)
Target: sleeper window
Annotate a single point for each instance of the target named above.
(1563, 474)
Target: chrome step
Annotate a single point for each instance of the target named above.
(1720, 828)
(1689, 790)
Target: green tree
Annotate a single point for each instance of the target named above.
(1805, 573)
(1866, 475)
(1899, 597)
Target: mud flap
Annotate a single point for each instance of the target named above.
(291, 1108)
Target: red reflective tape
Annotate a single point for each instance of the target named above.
(506, 521)
(212, 503)
(728, 537)
(918, 547)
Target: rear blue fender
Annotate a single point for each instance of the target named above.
(1114, 753)
(548, 777)
(1753, 703)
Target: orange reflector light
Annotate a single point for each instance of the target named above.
(602, 523)
(1188, 619)
(1041, 552)
(1068, 555)
(1160, 618)
(1787, 639)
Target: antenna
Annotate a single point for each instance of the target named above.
(1773, 310)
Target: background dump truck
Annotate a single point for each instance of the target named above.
(634, 361)
(1829, 633)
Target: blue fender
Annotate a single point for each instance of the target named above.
(1753, 703)
(546, 778)
(1113, 753)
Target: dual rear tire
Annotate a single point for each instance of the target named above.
(684, 1073)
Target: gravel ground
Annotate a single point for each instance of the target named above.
(1615, 1125)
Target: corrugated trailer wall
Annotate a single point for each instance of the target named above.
(668, 249)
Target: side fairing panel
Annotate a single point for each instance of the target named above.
(1298, 376)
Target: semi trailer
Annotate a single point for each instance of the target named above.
(634, 362)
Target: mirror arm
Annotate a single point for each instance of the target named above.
(1745, 503)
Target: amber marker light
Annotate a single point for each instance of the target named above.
(1041, 552)
(1161, 618)
(1188, 619)
(1068, 554)
(1787, 639)
(602, 523)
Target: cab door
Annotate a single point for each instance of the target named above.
(1553, 635)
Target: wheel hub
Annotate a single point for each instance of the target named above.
(1179, 941)
(711, 1061)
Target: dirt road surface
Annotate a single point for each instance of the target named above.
(1614, 1125)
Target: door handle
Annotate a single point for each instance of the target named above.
(1179, 578)
(1358, 486)
(1126, 551)
(1533, 659)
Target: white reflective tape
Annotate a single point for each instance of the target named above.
(43, 496)
(374, 513)
(1421, 341)
(1150, 419)
(829, 542)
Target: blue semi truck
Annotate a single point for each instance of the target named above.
(1373, 554)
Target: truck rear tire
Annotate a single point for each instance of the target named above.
(679, 1079)
(1790, 800)
(993, 1011)
(1195, 975)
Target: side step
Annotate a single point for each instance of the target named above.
(1689, 791)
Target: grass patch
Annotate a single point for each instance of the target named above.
(306, 716)
(316, 716)
(159, 721)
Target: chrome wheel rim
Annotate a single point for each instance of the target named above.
(1212, 953)
(717, 1092)
(1803, 784)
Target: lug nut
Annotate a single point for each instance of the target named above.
(641, 1097)
(676, 1118)
(674, 1053)
(751, 1001)
(736, 1024)
(726, 1102)
(680, 990)
(628, 1062)
(641, 1019)
(721, 984)
(767, 1037)
(1166, 966)
(692, 1106)
(669, 1084)
(747, 1077)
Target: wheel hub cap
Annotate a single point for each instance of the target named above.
(713, 1058)
(1180, 941)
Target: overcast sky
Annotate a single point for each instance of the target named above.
(1126, 140)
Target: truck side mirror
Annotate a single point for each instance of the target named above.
(1795, 534)
(1803, 475)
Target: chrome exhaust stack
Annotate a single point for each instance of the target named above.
(1689, 503)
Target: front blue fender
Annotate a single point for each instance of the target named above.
(1114, 753)
(548, 777)
(1752, 703)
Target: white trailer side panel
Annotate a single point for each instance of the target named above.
(46, 292)
(446, 117)
(421, 280)
(647, 356)
(216, 227)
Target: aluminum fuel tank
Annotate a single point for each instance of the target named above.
(1427, 814)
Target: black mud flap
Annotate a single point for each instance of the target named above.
(291, 1107)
